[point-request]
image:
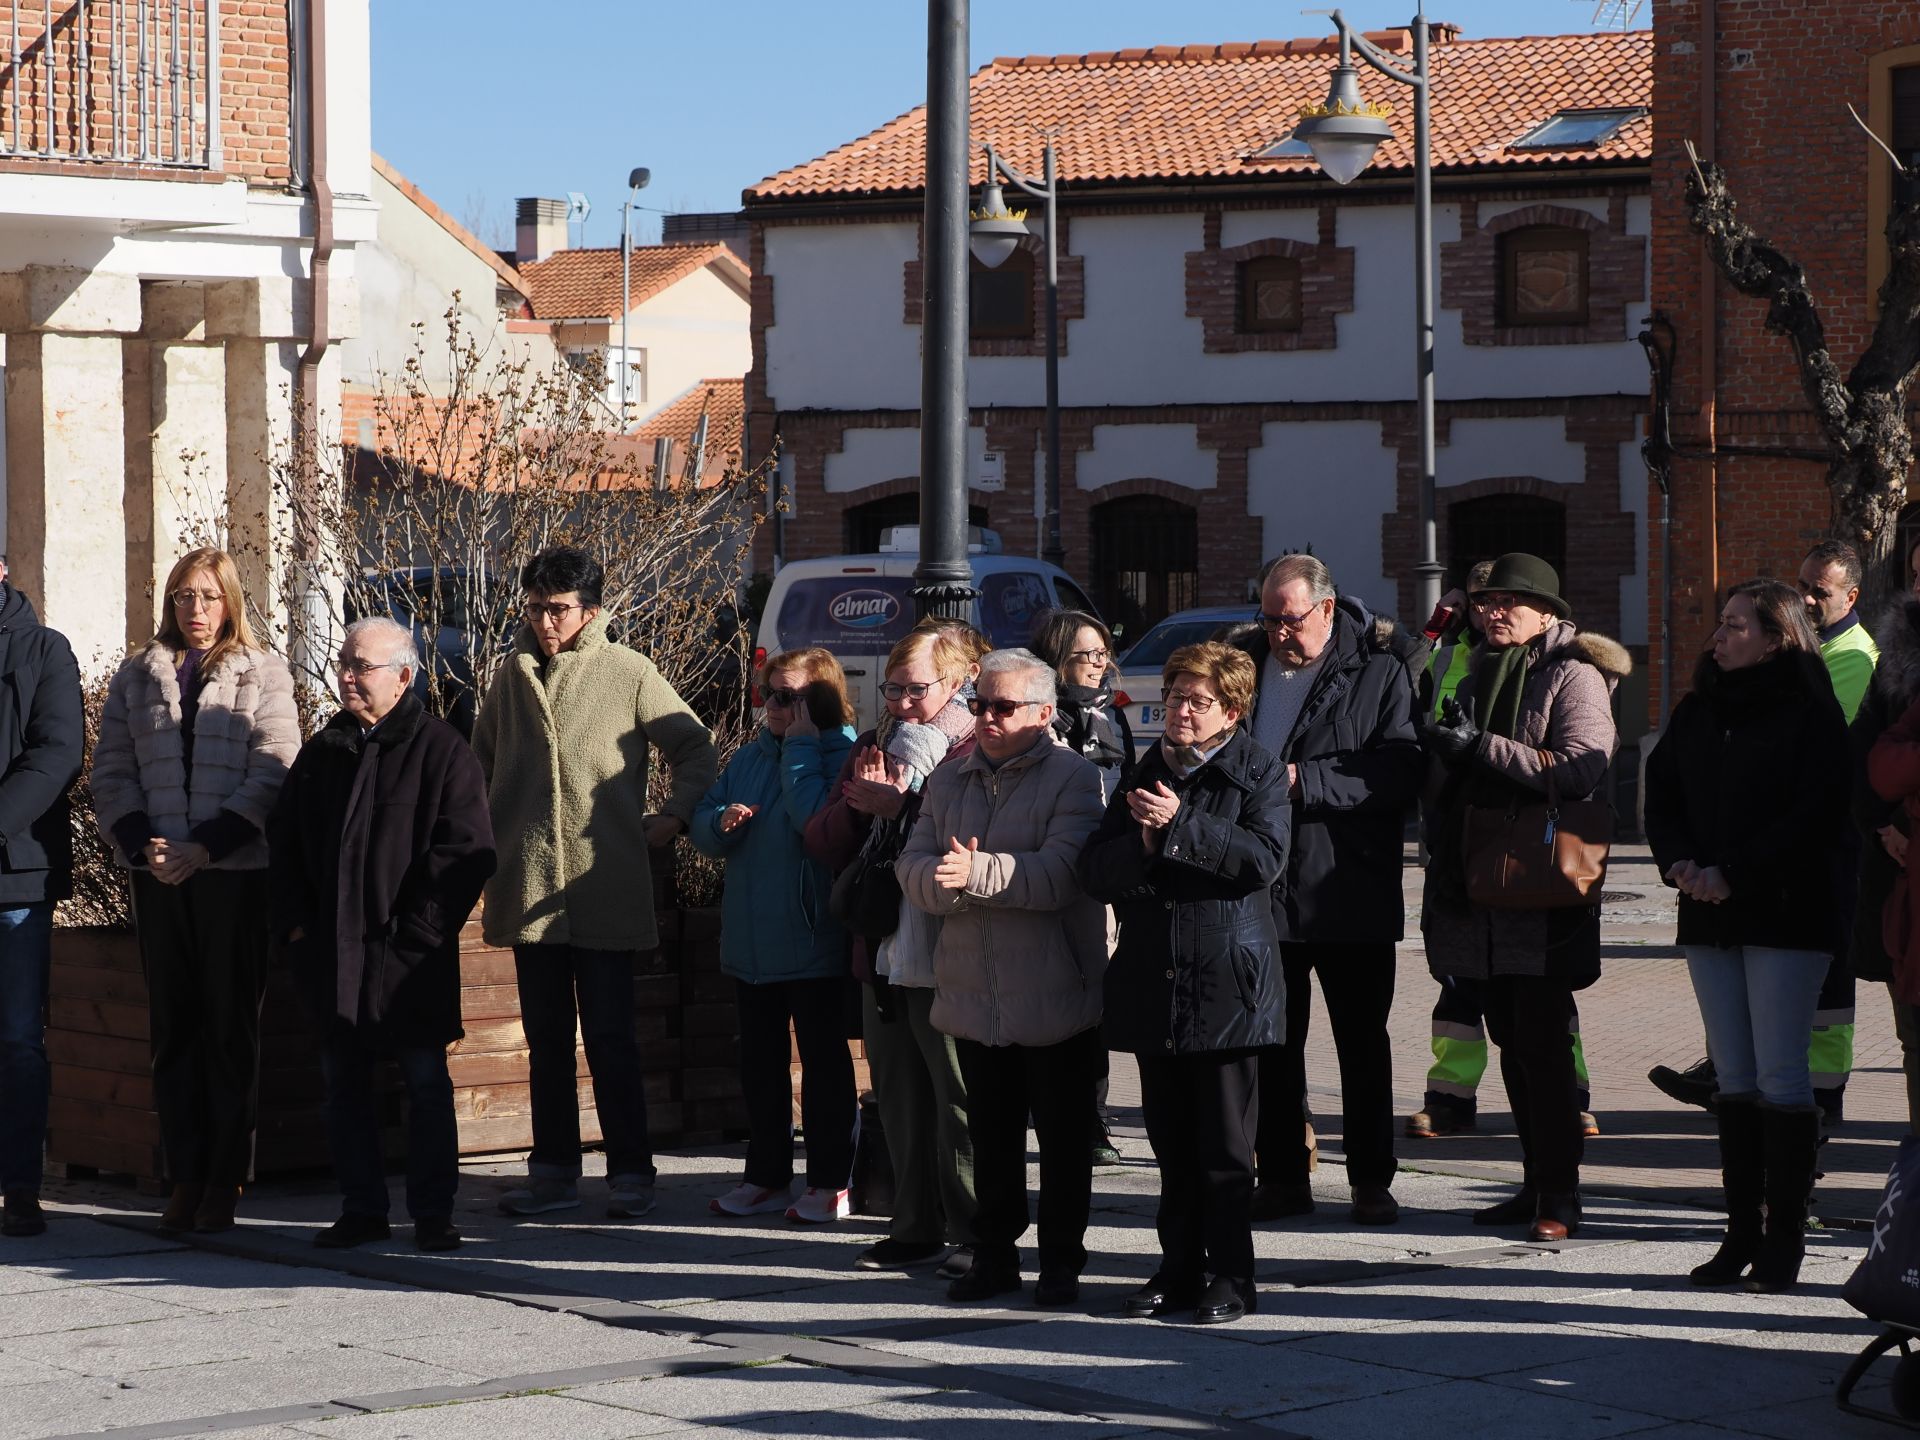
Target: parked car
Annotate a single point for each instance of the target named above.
(1141, 663)
(858, 606)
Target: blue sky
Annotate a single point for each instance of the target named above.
(512, 99)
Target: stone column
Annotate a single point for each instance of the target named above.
(66, 518)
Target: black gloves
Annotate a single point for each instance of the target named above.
(1454, 738)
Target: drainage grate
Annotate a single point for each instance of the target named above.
(1620, 897)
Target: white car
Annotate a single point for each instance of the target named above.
(857, 606)
(1139, 681)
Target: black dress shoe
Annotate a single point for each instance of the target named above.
(1056, 1289)
(983, 1282)
(891, 1254)
(1374, 1205)
(1277, 1202)
(351, 1230)
(1694, 1085)
(22, 1215)
(1517, 1211)
(1160, 1296)
(1224, 1301)
(433, 1234)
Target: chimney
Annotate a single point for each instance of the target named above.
(539, 228)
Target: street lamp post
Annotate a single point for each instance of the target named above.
(1343, 134)
(943, 580)
(996, 232)
(636, 182)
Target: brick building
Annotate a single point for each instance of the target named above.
(1761, 88)
(165, 243)
(1236, 366)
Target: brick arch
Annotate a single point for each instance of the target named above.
(1145, 485)
(1616, 274)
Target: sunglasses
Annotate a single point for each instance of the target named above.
(1003, 709)
(786, 699)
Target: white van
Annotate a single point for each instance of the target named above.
(857, 606)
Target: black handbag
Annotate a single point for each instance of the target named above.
(1886, 1285)
(866, 895)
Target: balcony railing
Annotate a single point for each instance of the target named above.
(129, 82)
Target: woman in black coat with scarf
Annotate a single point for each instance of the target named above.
(1745, 793)
(1186, 856)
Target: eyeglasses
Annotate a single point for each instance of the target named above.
(786, 699)
(197, 599)
(547, 610)
(1002, 709)
(1286, 622)
(1501, 600)
(360, 669)
(1088, 657)
(915, 691)
(1187, 700)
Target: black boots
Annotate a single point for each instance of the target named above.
(1743, 1169)
(1790, 1141)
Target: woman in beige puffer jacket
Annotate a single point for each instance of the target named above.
(198, 732)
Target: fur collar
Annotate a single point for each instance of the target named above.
(1897, 677)
(163, 666)
(1604, 653)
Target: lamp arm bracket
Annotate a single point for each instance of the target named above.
(1019, 181)
(1392, 69)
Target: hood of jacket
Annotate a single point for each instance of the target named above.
(1605, 654)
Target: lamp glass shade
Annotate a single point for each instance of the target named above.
(1342, 156)
(992, 241)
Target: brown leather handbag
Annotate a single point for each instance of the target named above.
(1532, 855)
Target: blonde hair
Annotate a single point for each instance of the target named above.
(954, 647)
(827, 700)
(1227, 669)
(235, 632)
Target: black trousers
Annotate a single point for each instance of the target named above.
(1357, 981)
(1202, 1112)
(561, 985)
(1054, 1083)
(1527, 1019)
(203, 946)
(828, 1107)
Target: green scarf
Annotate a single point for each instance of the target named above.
(1499, 677)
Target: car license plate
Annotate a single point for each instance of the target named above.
(1153, 714)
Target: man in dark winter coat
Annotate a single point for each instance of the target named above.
(1335, 703)
(41, 735)
(381, 841)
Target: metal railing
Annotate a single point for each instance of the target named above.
(132, 82)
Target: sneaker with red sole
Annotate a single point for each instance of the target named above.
(749, 1199)
(820, 1207)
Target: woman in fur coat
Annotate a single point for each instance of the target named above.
(198, 733)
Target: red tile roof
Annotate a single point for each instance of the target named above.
(724, 401)
(1199, 112)
(584, 284)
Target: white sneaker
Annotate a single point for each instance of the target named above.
(820, 1207)
(747, 1199)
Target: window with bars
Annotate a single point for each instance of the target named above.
(1905, 139)
(1269, 295)
(1495, 525)
(1146, 559)
(1543, 276)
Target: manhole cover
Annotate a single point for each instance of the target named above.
(1620, 897)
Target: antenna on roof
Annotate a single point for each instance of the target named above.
(1617, 14)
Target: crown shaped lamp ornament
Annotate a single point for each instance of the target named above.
(1344, 132)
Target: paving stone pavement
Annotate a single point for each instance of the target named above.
(578, 1326)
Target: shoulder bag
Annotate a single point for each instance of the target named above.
(1534, 855)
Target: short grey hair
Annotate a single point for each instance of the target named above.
(1042, 683)
(402, 653)
(1289, 568)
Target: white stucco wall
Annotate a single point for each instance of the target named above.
(873, 457)
(1482, 449)
(695, 330)
(1327, 484)
(1146, 452)
(838, 340)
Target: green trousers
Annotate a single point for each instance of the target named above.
(923, 1108)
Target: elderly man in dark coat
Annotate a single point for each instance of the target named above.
(381, 842)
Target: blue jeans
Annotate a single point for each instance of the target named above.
(26, 957)
(1758, 1005)
(355, 1136)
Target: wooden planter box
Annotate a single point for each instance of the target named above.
(102, 1116)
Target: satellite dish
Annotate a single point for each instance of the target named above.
(578, 207)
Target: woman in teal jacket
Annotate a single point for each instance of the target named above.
(786, 953)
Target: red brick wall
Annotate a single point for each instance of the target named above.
(1798, 168)
(256, 90)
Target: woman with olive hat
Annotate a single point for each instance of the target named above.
(1539, 695)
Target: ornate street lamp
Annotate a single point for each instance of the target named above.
(636, 182)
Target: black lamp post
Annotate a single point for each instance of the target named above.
(943, 580)
(996, 232)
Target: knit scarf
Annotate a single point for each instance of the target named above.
(1183, 760)
(1499, 678)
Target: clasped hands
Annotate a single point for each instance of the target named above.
(873, 789)
(172, 861)
(1704, 883)
(1453, 737)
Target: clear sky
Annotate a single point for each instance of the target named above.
(481, 101)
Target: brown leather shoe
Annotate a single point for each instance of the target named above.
(216, 1209)
(177, 1218)
(1557, 1218)
(1374, 1205)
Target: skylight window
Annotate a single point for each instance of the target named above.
(1575, 129)
(1283, 150)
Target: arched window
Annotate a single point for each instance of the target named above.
(1493, 525)
(1146, 559)
(1543, 276)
